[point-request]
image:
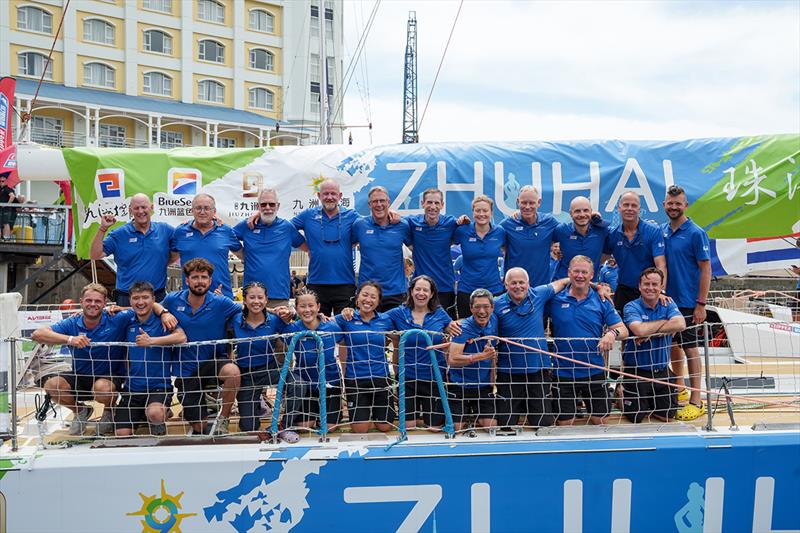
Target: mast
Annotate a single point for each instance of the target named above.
(410, 126)
(324, 112)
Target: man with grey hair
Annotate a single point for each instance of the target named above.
(267, 247)
(141, 249)
(205, 237)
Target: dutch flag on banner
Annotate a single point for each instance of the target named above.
(740, 256)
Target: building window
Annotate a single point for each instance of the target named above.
(316, 101)
(261, 98)
(98, 31)
(34, 19)
(328, 23)
(169, 139)
(211, 10)
(165, 6)
(33, 64)
(157, 41)
(47, 130)
(157, 83)
(262, 20)
(209, 50)
(225, 142)
(210, 91)
(261, 59)
(112, 136)
(98, 74)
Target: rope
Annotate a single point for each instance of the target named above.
(439, 69)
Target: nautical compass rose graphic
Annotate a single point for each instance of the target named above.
(161, 512)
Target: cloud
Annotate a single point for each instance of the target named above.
(567, 70)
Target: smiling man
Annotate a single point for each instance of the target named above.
(581, 236)
(140, 249)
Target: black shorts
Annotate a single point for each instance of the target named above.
(333, 298)
(466, 401)
(370, 399)
(524, 396)
(132, 407)
(448, 301)
(81, 385)
(641, 399)
(592, 390)
(8, 215)
(623, 295)
(423, 401)
(692, 336)
(191, 389)
(391, 301)
(302, 403)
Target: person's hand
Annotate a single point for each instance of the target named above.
(699, 315)
(394, 217)
(218, 290)
(81, 341)
(348, 313)
(606, 341)
(114, 309)
(488, 352)
(168, 321)
(284, 313)
(143, 339)
(454, 329)
(106, 221)
(663, 299)
(251, 222)
(463, 220)
(515, 215)
(604, 291)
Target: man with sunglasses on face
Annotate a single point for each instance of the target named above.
(267, 247)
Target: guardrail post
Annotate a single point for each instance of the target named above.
(707, 364)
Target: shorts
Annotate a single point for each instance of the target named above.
(191, 389)
(423, 402)
(391, 301)
(8, 215)
(592, 390)
(524, 396)
(132, 407)
(333, 298)
(82, 384)
(692, 336)
(448, 301)
(302, 403)
(623, 295)
(248, 398)
(641, 399)
(467, 401)
(370, 399)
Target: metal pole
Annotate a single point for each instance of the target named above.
(709, 422)
(13, 388)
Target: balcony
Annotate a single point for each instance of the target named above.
(39, 230)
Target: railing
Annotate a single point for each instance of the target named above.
(36, 224)
(62, 139)
(767, 303)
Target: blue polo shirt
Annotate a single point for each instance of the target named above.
(140, 256)
(573, 243)
(609, 275)
(381, 250)
(266, 254)
(529, 246)
(685, 247)
(554, 265)
(653, 354)
(635, 255)
(479, 269)
(330, 245)
(432, 249)
(365, 342)
(256, 353)
(523, 323)
(148, 366)
(306, 355)
(477, 374)
(417, 358)
(577, 327)
(205, 324)
(97, 361)
(212, 246)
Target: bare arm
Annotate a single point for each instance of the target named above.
(560, 284)
(96, 251)
(699, 315)
(673, 325)
(457, 357)
(615, 332)
(661, 264)
(45, 335)
(174, 257)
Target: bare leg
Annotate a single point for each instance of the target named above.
(156, 413)
(487, 422)
(695, 374)
(597, 420)
(676, 358)
(104, 392)
(60, 391)
(231, 379)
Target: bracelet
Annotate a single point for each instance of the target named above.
(614, 331)
(700, 303)
(69, 340)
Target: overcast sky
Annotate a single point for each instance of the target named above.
(541, 70)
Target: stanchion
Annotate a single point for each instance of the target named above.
(709, 414)
(13, 388)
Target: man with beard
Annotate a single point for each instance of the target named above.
(204, 237)
(203, 315)
(97, 371)
(581, 236)
(267, 247)
(687, 253)
(140, 249)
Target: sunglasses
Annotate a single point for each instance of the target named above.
(268, 204)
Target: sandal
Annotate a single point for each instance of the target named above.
(683, 396)
(690, 412)
(288, 436)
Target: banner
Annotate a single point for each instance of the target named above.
(738, 188)
(8, 162)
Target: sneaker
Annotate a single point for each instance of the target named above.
(288, 436)
(221, 426)
(690, 412)
(683, 396)
(158, 430)
(78, 425)
(106, 424)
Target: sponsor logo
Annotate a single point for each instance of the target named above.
(133, 239)
(183, 181)
(11, 162)
(3, 112)
(109, 183)
(564, 306)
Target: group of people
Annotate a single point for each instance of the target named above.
(497, 366)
